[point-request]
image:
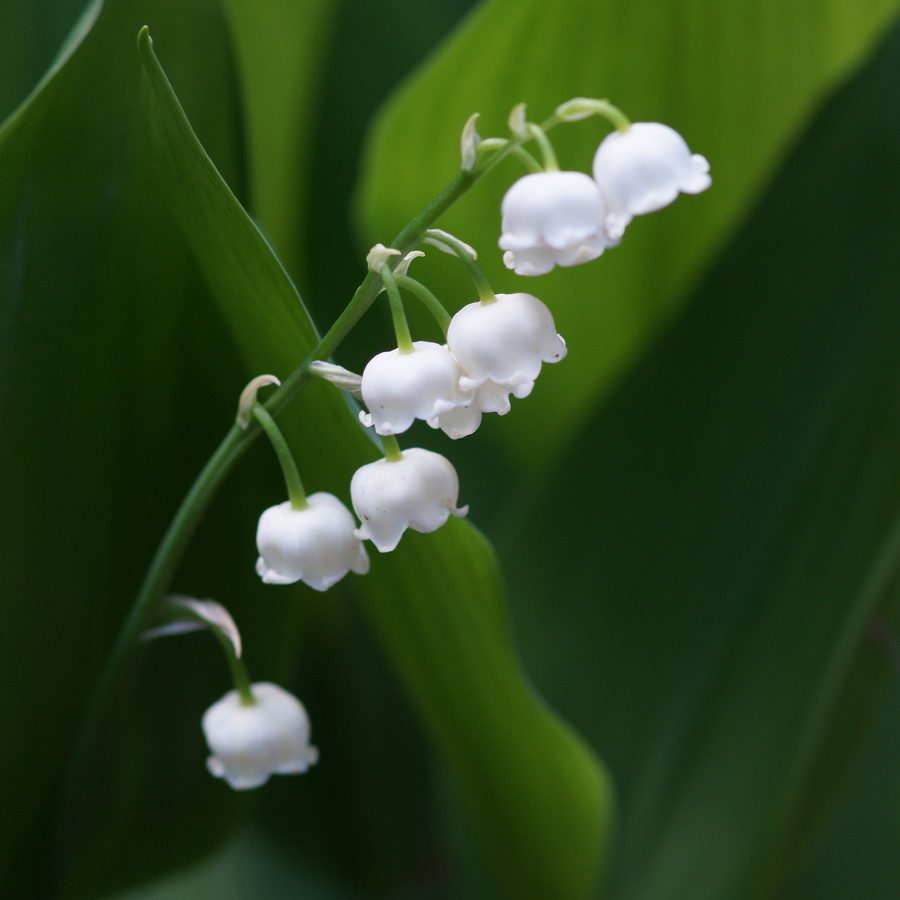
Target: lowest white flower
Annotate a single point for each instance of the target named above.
(419, 491)
(552, 219)
(643, 169)
(316, 545)
(401, 387)
(250, 742)
(504, 341)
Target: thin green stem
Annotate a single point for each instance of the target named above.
(238, 669)
(434, 306)
(398, 314)
(391, 447)
(485, 291)
(286, 460)
(548, 154)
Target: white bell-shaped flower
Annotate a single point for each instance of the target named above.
(504, 341)
(316, 545)
(552, 219)
(643, 169)
(419, 491)
(250, 742)
(401, 387)
(489, 397)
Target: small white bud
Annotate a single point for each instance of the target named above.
(316, 545)
(643, 169)
(419, 491)
(399, 388)
(250, 742)
(504, 342)
(553, 219)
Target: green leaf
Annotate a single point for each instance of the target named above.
(731, 524)
(280, 45)
(539, 797)
(738, 80)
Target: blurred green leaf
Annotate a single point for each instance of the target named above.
(542, 804)
(730, 522)
(280, 45)
(735, 79)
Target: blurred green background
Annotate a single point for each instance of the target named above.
(694, 518)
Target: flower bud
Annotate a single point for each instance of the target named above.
(316, 545)
(419, 491)
(643, 168)
(505, 341)
(250, 742)
(401, 387)
(552, 219)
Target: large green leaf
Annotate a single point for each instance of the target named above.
(542, 804)
(730, 521)
(737, 79)
(97, 347)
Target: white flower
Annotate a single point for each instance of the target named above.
(489, 397)
(251, 742)
(504, 341)
(643, 169)
(316, 545)
(400, 387)
(552, 218)
(417, 491)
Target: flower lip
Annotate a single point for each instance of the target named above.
(644, 168)
(419, 491)
(249, 743)
(552, 218)
(316, 545)
(399, 388)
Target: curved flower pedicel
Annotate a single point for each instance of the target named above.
(417, 490)
(249, 742)
(643, 168)
(399, 387)
(553, 219)
(316, 545)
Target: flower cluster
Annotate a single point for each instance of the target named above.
(556, 218)
(494, 348)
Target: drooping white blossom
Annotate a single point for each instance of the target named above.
(488, 397)
(249, 743)
(419, 491)
(316, 545)
(504, 341)
(552, 219)
(399, 387)
(644, 169)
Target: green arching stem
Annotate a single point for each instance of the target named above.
(398, 314)
(485, 291)
(392, 451)
(286, 460)
(434, 306)
(232, 447)
(613, 114)
(527, 160)
(551, 164)
(239, 675)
